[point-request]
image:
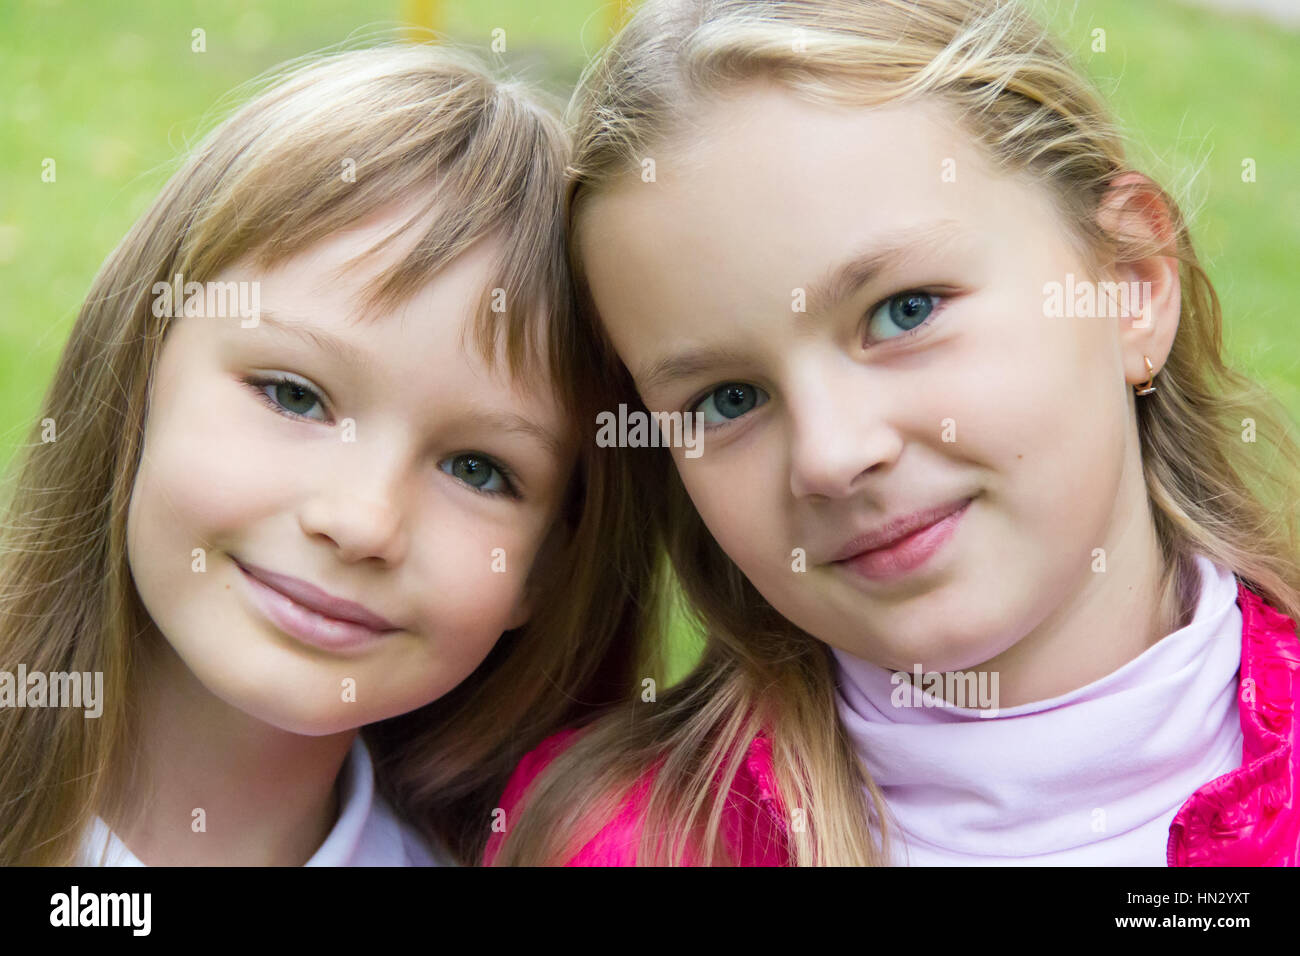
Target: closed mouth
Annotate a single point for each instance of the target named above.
(317, 601)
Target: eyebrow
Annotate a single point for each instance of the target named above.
(673, 367)
(837, 284)
(519, 425)
(881, 255)
(343, 351)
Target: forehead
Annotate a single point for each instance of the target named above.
(770, 187)
(762, 153)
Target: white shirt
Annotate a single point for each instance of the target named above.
(1093, 777)
(367, 833)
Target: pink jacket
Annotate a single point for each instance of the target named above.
(1248, 817)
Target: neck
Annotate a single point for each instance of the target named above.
(268, 796)
(1105, 620)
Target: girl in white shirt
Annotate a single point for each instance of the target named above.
(301, 489)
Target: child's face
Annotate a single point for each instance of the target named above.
(394, 471)
(839, 423)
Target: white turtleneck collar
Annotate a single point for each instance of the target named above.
(1093, 777)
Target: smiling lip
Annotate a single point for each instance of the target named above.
(306, 612)
(902, 545)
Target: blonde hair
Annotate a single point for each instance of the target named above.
(475, 159)
(1015, 92)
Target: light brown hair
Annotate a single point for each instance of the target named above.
(475, 158)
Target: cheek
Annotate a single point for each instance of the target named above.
(468, 577)
(195, 493)
(206, 470)
(743, 498)
(1021, 386)
(1035, 406)
(473, 574)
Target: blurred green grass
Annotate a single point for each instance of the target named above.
(1198, 92)
(114, 93)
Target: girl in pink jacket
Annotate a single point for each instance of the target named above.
(996, 560)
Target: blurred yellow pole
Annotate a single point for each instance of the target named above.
(421, 15)
(617, 14)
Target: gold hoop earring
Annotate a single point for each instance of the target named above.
(1148, 388)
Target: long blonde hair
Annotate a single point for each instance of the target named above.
(1018, 96)
(416, 122)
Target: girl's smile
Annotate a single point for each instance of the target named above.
(902, 545)
(311, 615)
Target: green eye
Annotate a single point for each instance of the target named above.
(296, 398)
(479, 472)
(291, 397)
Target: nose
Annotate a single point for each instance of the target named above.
(360, 517)
(840, 428)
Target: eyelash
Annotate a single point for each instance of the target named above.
(258, 384)
(507, 476)
(941, 300)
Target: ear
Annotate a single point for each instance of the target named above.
(1134, 208)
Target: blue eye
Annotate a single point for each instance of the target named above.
(480, 473)
(290, 397)
(729, 401)
(906, 312)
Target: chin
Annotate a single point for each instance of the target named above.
(312, 727)
(966, 651)
(314, 722)
(935, 648)
(286, 704)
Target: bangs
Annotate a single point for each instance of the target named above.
(342, 138)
